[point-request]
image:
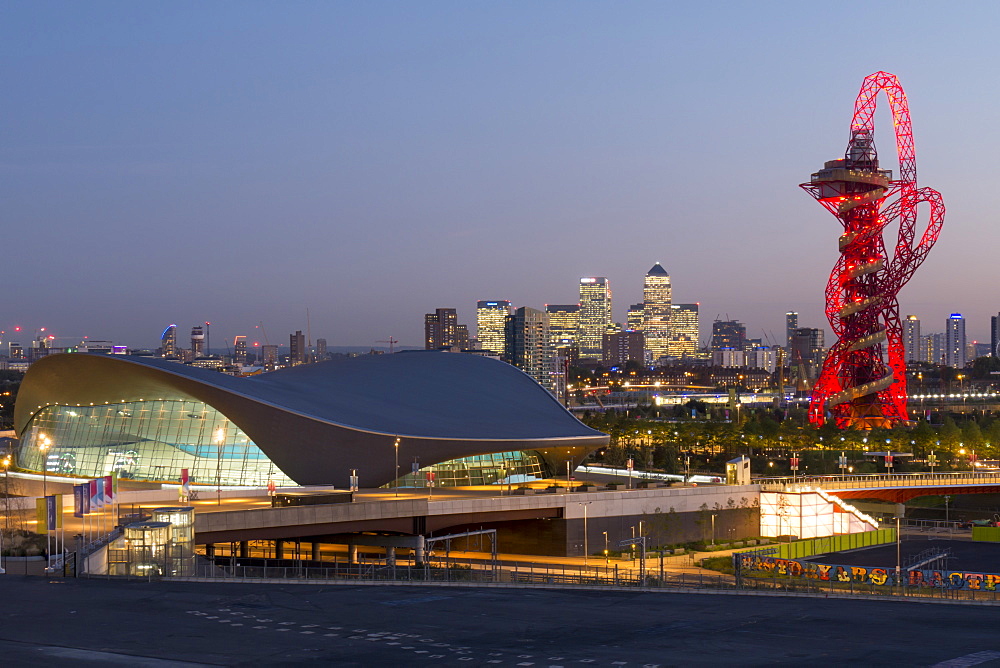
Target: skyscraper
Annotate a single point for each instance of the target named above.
(321, 353)
(623, 347)
(297, 348)
(564, 323)
(527, 345)
(791, 324)
(728, 334)
(491, 319)
(807, 350)
(954, 341)
(270, 354)
(656, 299)
(683, 330)
(168, 341)
(633, 319)
(911, 339)
(595, 315)
(441, 330)
(197, 341)
(240, 350)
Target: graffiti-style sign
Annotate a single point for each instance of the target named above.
(865, 575)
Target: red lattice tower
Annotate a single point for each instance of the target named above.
(857, 386)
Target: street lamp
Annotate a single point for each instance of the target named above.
(396, 448)
(44, 448)
(607, 559)
(713, 529)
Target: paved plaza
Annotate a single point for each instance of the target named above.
(81, 622)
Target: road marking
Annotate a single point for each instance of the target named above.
(969, 659)
(306, 632)
(332, 635)
(260, 627)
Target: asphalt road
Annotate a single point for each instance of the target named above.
(83, 622)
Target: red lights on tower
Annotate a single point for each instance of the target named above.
(856, 386)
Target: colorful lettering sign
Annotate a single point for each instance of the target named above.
(748, 561)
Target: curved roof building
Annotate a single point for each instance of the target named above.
(470, 419)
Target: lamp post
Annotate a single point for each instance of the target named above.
(585, 548)
(44, 448)
(607, 559)
(396, 448)
(713, 529)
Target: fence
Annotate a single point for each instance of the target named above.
(851, 541)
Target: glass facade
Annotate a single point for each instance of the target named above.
(498, 468)
(145, 440)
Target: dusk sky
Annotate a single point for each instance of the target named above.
(240, 162)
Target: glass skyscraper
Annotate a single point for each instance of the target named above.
(491, 318)
(656, 300)
(595, 315)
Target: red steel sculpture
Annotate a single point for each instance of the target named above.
(857, 386)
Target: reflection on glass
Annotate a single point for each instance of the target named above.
(145, 440)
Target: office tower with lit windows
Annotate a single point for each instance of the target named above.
(595, 315)
(197, 341)
(728, 334)
(954, 341)
(296, 348)
(683, 331)
(491, 321)
(656, 300)
(240, 350)
(911, 339)
(321, 352)
(791, 324)
(168, 341)
(441, 330)
(527, 345)
(634, 317)
(564, 324)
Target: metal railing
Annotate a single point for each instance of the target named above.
(879, 481)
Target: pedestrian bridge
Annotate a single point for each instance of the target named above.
(895, 488)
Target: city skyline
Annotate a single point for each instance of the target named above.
(185, 164)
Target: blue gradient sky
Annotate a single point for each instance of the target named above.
(241, 162)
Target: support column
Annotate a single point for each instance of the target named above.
(352, 554)
(279, 549)
(210, 550)
(390, 556)
(244, 549)
(315, 552)
(418, 552)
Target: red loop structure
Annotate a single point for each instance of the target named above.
(863, 381)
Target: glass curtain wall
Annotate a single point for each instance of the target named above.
(498, 468)
(145, 440)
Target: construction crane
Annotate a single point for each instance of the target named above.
(392, 342)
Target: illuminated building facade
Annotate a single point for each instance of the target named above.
(595, 315)
(656, 300)
(527, 345)
(634, 316)
(954, 337)
(564, 324)
(491, 321)
(168, 341)
(147, 418)
(683, 331)
(197, 341)
(441, 330)
(911, 339)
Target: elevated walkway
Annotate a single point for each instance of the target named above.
(894, 488)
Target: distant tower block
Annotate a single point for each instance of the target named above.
(856, 387)
(197, 341)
